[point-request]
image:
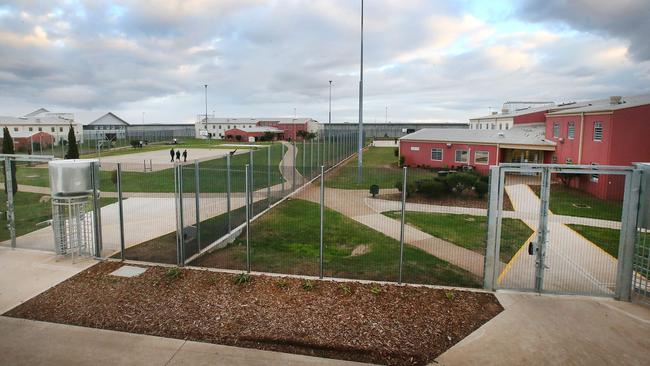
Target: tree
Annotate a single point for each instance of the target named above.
(8, 148)
(73, 149)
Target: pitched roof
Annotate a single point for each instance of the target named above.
(109, 118)
(527, 134)
(36, 112)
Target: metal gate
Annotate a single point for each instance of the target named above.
(583, 224)
(641, 271)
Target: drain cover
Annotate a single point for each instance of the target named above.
(128, 271)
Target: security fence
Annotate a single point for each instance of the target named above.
(305, 208)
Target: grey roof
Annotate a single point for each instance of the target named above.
(526, 134)
(517, 112)
(604, 105)
(253, 120)
(259, 129)
(36, 112)
(109, 118)
(46, 120)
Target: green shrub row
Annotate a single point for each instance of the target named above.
(455, 183)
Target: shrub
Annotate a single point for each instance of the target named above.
(375, 290)
(345, 289)
(410, 187)
(433, 188)
(401, 161)
(135, 143)
(242, 278)
(173, 273)
(374, 190)
(282, 284)
(459, 182)
(396, 151)
(307, 285)
(114, 177)
(480, 188)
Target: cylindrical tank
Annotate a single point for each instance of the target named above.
(72, 177)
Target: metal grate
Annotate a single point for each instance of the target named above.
(72, 223)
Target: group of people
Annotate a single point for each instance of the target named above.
(177, 154)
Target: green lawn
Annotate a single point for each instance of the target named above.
(29, 212)
(607, 239)
(574, 202)
(468, 231)
(379, 167)
(212, 177)
(286, 240)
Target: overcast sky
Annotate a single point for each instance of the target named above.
(426, 60)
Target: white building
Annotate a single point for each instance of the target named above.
(42, 120)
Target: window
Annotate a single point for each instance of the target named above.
(571, 130)
(554, 159)
(569, 161)
(481, 157)
(31, 129)
(594, 177)
(436, 154)
(60, 129)
(494, 126)
(40, 128)
(228, 126)
(598, 131)
(461, 156)
(500, 126)
(16, 129)
(53, 129)
(556, 129)
(415, 148)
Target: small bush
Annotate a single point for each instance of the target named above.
(375, 290)
(345, 289)
(450, 295)
(459, 182)
(480, 188)
(114, 177)
(134, 143)
(401, 161)
(307, 285)
(396, 151)
(282, 284)
(410, 187)
(242, 279)
(374, 190)
(173, 273)
(433, 188)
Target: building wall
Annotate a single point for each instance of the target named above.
(535, 117)
(494, 123)
(60, 130)
(631, 131)
(566, 150)
(418, 153)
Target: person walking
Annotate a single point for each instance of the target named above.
(184, 155)
(178, 155)
(171, 152)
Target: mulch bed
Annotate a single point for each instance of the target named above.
(387, 324)
(468, 201)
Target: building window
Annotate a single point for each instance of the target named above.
(15, 129)
(481, 157)
(554, 159)
(60, 129)
(500, 126)
(461, 156)
(228, 126)
(556, 130)
(40, 128)
(571, 130)
(569, 161)
(53, 129)
(31, 129)
(436, 154)
(598, 131)
(415, 148)
(494, 126)
(594, 177)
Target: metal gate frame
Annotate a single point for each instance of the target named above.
(629, 215)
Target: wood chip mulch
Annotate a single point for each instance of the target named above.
(386, 324)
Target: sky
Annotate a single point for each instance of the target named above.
(424, 60)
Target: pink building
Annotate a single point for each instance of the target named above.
(612, 131)
(253, 134)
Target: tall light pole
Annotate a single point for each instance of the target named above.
(329, 118)
(329, 122)
(206, 109)
(386, 121)
(360, 152)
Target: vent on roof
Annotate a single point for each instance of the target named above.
(615, 99)
(495, 113)
(504, 110)
(501, 134)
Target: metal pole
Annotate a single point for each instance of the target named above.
(197, 203)
(228, 208)
(248, 220)
(96, 211)
(360, 147)
(311, 158)
(322, 218)
(329, 121)
(318, 143)
(542, 231)
(293, 170)
(179, 226)
(250, 158)
(206, 108)
(304, 159)
(401, 231)
(283, 165)
(181, 216)
(121, 208)
(268, 175)
(11, 222)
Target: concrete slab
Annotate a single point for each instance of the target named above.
(26, 273)
(128, 271)
(557, 330)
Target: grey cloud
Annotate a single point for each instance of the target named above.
(629, 20)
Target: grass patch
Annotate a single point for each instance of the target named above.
(468, 231)
(286, 240)
(29, 211)
(574, 202)
(607, 239)
(380, 167)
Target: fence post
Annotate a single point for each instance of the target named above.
(311, 158)
(248, 220)
(318, 139)
(97, 221)
(628, 236)
(251, 166)
(490, 263)
(283, 165)
(268, 175)
(121, 208)
(228, 191)
(9, 186)
(401, 229)
(197, 203)
(322, 219)
(293, 170)
(304, 160)
(181, 248)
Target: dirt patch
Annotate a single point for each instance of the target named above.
(388, 324)
(468, 201)
(360, 250)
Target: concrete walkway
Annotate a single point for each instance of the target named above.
(575, 265)
(557, 330)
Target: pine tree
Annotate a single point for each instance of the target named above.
(73, 149)
(8, 148)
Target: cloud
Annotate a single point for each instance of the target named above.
(624, 19)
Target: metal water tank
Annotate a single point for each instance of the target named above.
(73, 177)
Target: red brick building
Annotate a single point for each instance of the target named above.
(24, 141)
(254, 134)
(612, 131)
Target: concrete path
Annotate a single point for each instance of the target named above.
(557, 330)
(352, 203)
(575, 265)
